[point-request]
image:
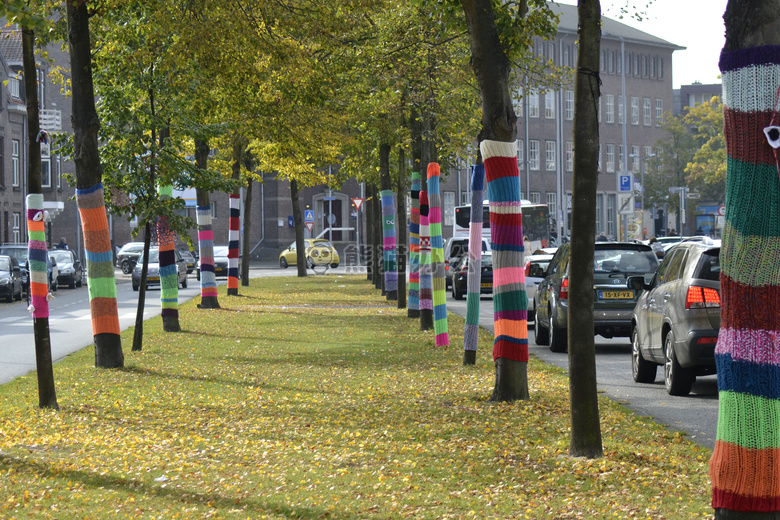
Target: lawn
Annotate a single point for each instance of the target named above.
(317, 398)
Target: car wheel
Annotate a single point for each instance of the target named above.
(53, 285)
(80, 282)
(334, 265)
(283, 263)
(19, 296)
(642, 369)
(127, 267)
(184, 283)
(197, 275)
(135, 286)
(10, 297)
(678, 380)
(456, 293)
(558, 341)
(309, 262)
(541, 334)
(72, 284)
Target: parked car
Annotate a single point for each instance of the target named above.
(19, 251)
(189, 259)
(613, 299)
(677, 316)
(535, 267)
(11, 285)
(319, 251)
(460, 272)
(153, 272)
(454, 249)
(128, 256)
(70, 270)
(220, 261)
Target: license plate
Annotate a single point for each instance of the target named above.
(616, 295)
(486, 285)
(154, 279)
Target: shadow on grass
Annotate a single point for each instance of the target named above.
(134, 487)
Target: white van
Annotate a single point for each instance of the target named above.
(454, 249)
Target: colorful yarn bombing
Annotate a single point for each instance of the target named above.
(744, 468)
(233, 231)
(100, 265)
(437, 258)
(414, 245)
(510, 301)
(169, 275)
(473, 283)
(208, 279)
(388, 240)
(37, 256)
(426, 276)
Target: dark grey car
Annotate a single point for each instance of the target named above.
(10, 278)
(677, 317)
(153, 273)
(613, 299)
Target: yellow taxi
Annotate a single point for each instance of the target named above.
(318, 251)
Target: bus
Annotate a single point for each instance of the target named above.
(536, 223)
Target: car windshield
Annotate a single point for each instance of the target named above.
(220, 250)
(154, 257)
(627, 261)
(709, 266)
(321, 243)
(5, 264)
(62, 257)
(19, 252)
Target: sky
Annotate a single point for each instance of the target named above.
(694, 24)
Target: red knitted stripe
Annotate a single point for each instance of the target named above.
(496, 167)
(749, 307)
(743, 130)
(725, 500)
(505, 349)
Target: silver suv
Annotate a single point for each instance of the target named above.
(677, 317)
(613, 299)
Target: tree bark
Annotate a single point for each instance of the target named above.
(585, 438)
(208, 282)
(401, 227)
(300, 247)
(138, 332)
(389, 257)
(239, 145)
(89, 191)
(247, 228)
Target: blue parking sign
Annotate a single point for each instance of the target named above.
(625, 183)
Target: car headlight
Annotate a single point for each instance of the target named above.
(4, 281)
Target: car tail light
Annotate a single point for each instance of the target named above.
(702, 298)
(464, 269)
(707, 341)
(527, 267)
(446, 265)
(564, 289)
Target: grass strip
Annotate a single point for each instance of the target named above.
(316, 398)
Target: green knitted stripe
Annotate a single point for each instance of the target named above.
(753, 199)
(102, 288)
(472, 302)
(37, 235)
(748, 421)
(740, 259)
(510, 301)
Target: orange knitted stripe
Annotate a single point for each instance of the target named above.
(731, 467)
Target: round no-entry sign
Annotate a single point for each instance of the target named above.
(722, 210)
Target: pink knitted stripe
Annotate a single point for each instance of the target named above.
(508, 275)
(755, 346)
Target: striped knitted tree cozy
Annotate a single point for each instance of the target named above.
(414, 247)
(388, 242)
(426, 276)
(437, 258)
(208, 280)
(510, 301)
(100, 267)
(473, 284)
(233, 231)
(37, 256)
(169, 276)
(745, 464)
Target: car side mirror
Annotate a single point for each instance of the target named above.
(16, 269)
(637, 283)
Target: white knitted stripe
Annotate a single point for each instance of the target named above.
(505, 210)
(497, 149)
(751, 89)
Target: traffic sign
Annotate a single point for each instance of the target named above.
(309, 216)
(722, 210)
(357, 202)
(625, 207)
(309, 225)
(625, 182)
(693, 195)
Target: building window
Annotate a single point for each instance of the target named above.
(621, 109)
(13, 87)
(549, 155)
(566, 60)
(17, 227)
(520, 155)
(602, 61)
(45, 166)
(533, 154)
(610, 157)
(635, 159)
(213, 210)
(610, 99)
(660, 68)
(659, 111)
(533, 105)
(599, 158)
(599, 109)
(569, 156)
(549, 105)
(599, 216)
(519, 101)
(552, 204)
(569, 105)
(41, 88)
(644, 66)
(648, 155)
(611, 215)
(535, 197)
(636, 65)
(621, 158)
(648, 116)
(449, 208)
(2, 164)
(551, 51)
(620, 63)
(653, 61)
(634, 110)
(15, 164)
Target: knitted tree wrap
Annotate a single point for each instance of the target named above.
(37, 256)
(169, 275)
(414, 245)
(426, 274)
(473, 284)
(745, 464)
(510, 301)
(208, 280)
(388, 240)
(100, 268)
(437, 258)
(233, 231)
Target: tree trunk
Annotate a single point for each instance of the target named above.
(440, 327)
(89, 193)
(744, 463)
(499, 152)
(474, 279)
(585, 427)
(389, 253)
(138, 332)
(247, 228)
(239, 145)
(300, 246)
(369, 238)
(47, 394)
(400, 221)
(414, 229)
(208, 280)
(169, 269)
